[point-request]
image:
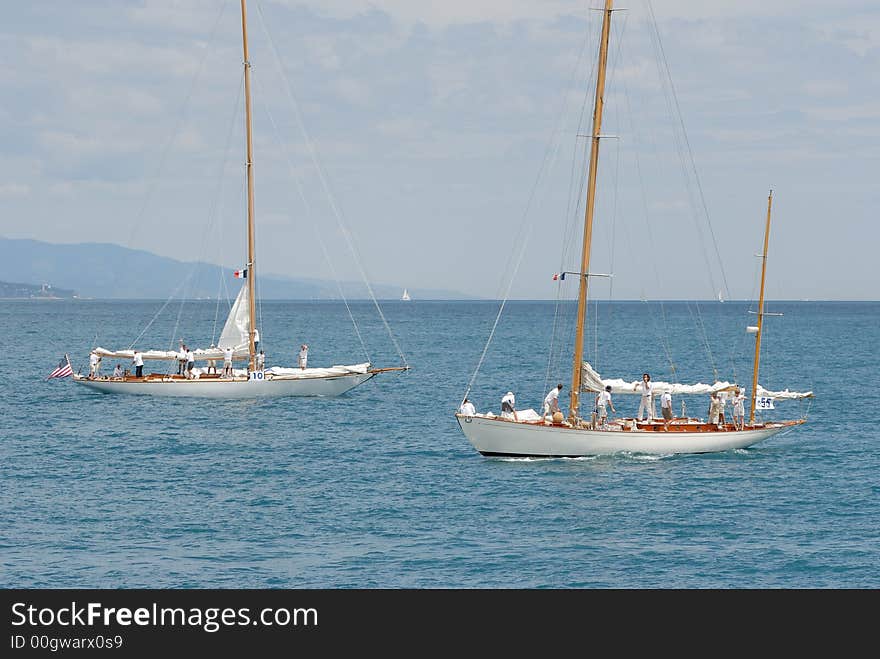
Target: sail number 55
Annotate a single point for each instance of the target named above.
(764, 403)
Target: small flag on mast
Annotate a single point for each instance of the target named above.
(559, 276)
(62, 370)
(240, 274)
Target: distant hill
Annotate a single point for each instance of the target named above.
(33, 291)
(104, 270)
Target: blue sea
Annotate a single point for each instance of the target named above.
(379, 488)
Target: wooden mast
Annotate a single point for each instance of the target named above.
(760, 312)
(251, 274)
(588, 219)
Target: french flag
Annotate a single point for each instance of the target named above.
(559, 276)
(240, 274)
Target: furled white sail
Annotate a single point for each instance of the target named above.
(294, 373)
(784, 395)
(235, 335)
(236, 331)
(592, 381)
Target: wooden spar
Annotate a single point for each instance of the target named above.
(388, 369)
(251, 274)
(588, 218)
(760, 312)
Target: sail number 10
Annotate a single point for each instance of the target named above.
(260, 375)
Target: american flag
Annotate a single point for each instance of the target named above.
(62, 370)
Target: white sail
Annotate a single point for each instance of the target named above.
(235, 335)
(592, 381)
(236, 331)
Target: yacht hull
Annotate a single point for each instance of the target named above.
(230, 389)
(501, 437)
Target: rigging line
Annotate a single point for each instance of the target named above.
(645, 206)
(550, 154)
(660, 333)
(612, 246)
(553, 335)
(690, 151)
(323, 245)
(155, 316)
(616, 60)
(679, 149)
(217, 202)
(578, 160)
(556, 134)
(703, 336)
(179, 123)
(522, 252)
(298, 184)
(325, 184)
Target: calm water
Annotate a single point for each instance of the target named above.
(379, 488)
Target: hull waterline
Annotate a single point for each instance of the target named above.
(230, 389)
(498, 437)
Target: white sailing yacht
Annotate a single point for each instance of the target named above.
(527, 433)
(405, 297)
(250, 379)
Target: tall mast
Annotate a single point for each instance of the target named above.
(251, 274)
(588, 219)
(760, 311)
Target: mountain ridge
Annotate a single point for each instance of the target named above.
(111, 271)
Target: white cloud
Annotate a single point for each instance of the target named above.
(8, 190)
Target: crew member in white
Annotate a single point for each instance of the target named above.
(181, 358)
(190, 363)
(261, 361)
(212, 363)
(467, 408)
(646, 405)
(603, 400)
(739, 409)
(666, 409)
(138, 361)
(508, 406)
(551, 400)
(227, 362)
(94, 364)
(303, 356)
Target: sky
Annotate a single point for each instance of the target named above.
(440, 145)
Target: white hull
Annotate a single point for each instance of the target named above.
(231, 389)
(499, 437)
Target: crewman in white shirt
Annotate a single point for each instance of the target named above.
(303, 356)
(666, 409)
(190, 363)
(94, 364)
(603, 400)
(551, 400)
(646, 405)
(508, 406)
(467, 408)
(227, 362)
(138, 361)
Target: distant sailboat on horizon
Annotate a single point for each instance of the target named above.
(405, 297)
